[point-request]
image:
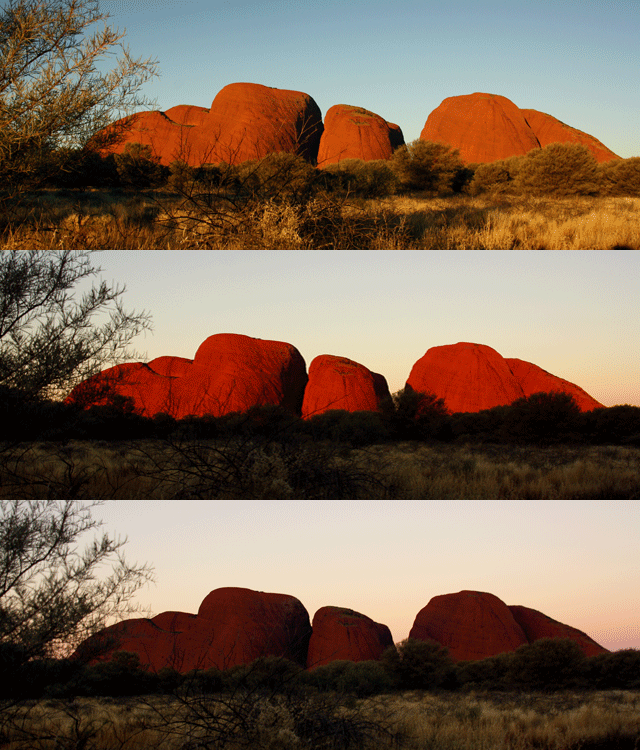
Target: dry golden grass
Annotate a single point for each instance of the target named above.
(156, 220)
(418, 721)
(149, 469)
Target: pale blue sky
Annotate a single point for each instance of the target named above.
(576, 561)
(575, 314)
(574, 59)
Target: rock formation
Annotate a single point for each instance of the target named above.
(488, 127)
(355, 133)
(246, 121)
(534, 379)
(340, 383)
(471, 624)
(484, 127)
(339, 633)
(548, 129)
(536, 625)
(229, 373)
(469, 377)
(472, 377)
(233, 626)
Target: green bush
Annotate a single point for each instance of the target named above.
(410, 415)
(138, 168)
(494, 177)
(621, 176)
(277, 175)
(543, 418)
(548, 664)
(425, 165)
(559, 169)
(361, 678)
(367, 179)
(618, 670)
(492, 673)
(420, 665)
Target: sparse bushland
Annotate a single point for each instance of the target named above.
(421, 198)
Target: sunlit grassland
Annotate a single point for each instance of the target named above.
(416, 721)
(410, 470)
(154, 219)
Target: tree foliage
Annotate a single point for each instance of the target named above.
(51, 596)
(48, 339)
(559, 169)
(53, 89)
(425, 165)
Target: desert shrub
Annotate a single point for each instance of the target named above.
(410, 415)
(617, 670)
(354, 428)
(559, 169)
(138, 168)
(615, 425)
(181, 175)
(277, 175)
(493, 177)
(425, 165)
(266, 673)
(368, 179)
(361, 678)
(420, 665)
(621, 176)
(202, 681)
(121, 675)
(483, 425)
(548, 664)
(492, 673)
(543, 418)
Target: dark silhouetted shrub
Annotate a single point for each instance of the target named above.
(543, 418)
(416, 416)
(420, 665)
(425, 165)
(559, 169)
(138, 168)
(548, 664)
(368, 179)
(361, 678)
(618, 670)
(354, 428)
(615, 425)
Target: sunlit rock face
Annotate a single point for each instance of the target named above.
(233, 626)
(355, 133)
(534, 379)
(246, 121)
(487, 127)
(537, 625)
(483, 127)
(472, 377)
(471, 624)
(341, 383)
(548, 129)
(229, 373)
(340, 633)
(469, 377)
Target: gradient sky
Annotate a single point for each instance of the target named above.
(577, 60)
(575, 561)
(575, 314)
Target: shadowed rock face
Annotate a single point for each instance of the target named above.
(534, 379)
(484, 127)
(548, 129)
(471, 624)
(469, 377)
(233, 626)
(340, 633)
(537, 625)
(230, 373)
(340, 383)
(246, 121)
(355, 133)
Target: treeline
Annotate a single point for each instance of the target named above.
(539, 419)
(559, 169)
(549, 664)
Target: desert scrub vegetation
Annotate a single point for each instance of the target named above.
(423, 197)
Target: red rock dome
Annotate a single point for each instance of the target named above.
(471, 624)
(537, 625)
(230, 373)
(341, 383)
(484, 127)
(548, 129)
(469, 377)
(340, 633)
(355, 133)
(534, 379)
